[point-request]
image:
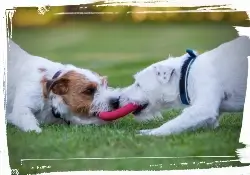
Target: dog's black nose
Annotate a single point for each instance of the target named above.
(114, 103)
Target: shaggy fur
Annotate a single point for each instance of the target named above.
(77, 94)
(216, 83)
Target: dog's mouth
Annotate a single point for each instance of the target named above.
(136, 112)
(94, 114)
(140, 109)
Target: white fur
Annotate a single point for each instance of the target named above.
(26, 107)
(216, 83)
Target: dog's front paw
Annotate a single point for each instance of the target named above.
(153, 132)
(141, 132)
(32, 129)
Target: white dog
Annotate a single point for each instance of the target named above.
(204, 85)
(42, 91)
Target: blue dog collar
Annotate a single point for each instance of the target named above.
(184, 77)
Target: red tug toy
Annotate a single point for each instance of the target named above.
(121, 112)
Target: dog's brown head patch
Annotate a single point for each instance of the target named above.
(75, 89)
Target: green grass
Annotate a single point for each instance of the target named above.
(119, 51)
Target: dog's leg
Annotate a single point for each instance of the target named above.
(24, 119)
(192, 118)
(22, 116)
(202, 114)
(216, 124)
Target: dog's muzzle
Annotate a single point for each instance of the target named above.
(139, 110)
(114, 102)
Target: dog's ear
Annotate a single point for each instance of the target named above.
(163, 73)
(58, 86)
(104, 81)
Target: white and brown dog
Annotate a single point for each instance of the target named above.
(205, 85)
(42, 91)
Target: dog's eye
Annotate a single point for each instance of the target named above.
(89, 91)
(137, 85)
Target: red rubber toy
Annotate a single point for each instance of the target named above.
(121, 112)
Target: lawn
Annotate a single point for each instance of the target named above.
(119, 51)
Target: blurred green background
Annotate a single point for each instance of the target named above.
(118, 45)
(98, 12)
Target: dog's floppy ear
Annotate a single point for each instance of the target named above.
(163, 73)
(58, 86)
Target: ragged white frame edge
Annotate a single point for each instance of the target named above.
(238, 5)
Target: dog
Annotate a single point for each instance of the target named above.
(41, 91)
(204, 85)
